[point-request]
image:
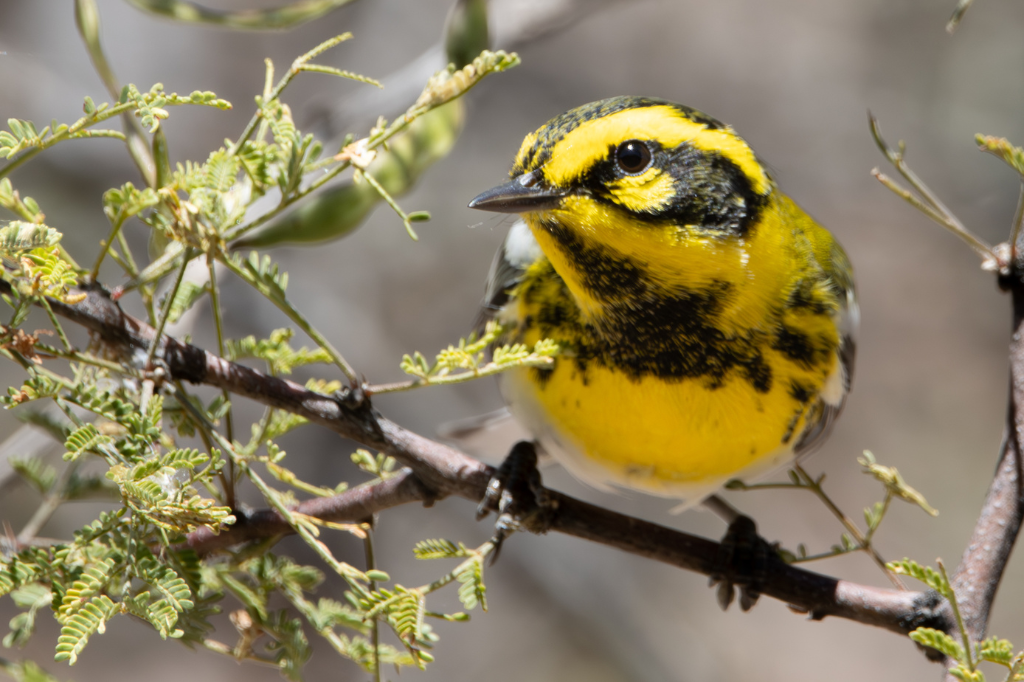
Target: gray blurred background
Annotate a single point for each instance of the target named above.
(795, 78)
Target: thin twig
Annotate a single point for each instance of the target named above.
(849, 525)
(166, 312)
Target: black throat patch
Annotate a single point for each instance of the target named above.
(645, 331)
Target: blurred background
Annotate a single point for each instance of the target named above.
(795, 78)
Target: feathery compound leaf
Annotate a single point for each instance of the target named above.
(276, 351)
(32, 597)
(940, 641)
(159, 614)
(37, 473)
(469, 355)
(264, 273)
(76, 630)
(127, 201)
(330, 613)
(53, 276)
(34, 388)
(150, 493)
(187, 458)
(439, 549)
(103, 403)
(84, 439)
(405, 616)
(997, 651)
(221, 171)
(893, 482)
(925, 574)
(965, 674)
(26, 671)
(89, 584)
(27, 566)
(17, 236)
(472, 590)
(184, 298)
(290, 644)
(1001, 147)
(446, 85)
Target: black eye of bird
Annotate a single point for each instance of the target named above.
(633, 156)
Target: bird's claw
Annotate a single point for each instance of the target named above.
(743, 559)
(516, 495)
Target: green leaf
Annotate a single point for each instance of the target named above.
(26, 671)
(996, 650)
(84, 439)
(184, 298)
(894, 483)
(925, 574)
(472, 590)
(439, 549)
(940, 641)
(76, 630)
(17, 237)
(275, 351)
(37, 473)
(1001, 147)
(964, 674)
(32, 597)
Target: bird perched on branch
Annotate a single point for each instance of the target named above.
(705, 321)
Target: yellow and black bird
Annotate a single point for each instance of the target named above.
(706, 323)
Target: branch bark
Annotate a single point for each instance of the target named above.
(436, 470)
(981, 568)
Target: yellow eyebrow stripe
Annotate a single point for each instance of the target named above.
(589, 143)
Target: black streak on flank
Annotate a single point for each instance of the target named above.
(800, 393)
(797, 346)
(803, 297)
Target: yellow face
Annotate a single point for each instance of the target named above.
(635, 185)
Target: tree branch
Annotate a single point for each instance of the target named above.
(358, 504)
(984, 560)
(437, 470)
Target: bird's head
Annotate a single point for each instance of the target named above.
(630, 160)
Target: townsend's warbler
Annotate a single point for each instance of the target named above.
(705, 321)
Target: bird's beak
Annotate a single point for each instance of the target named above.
(522, 194)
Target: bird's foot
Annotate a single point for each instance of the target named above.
(516, 495)
(743, 561)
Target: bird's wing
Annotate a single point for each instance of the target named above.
(833, 396)
(516, 254)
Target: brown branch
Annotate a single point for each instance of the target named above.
(438, 470)
(357, 504)
(984, 560)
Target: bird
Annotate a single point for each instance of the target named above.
(705, 323)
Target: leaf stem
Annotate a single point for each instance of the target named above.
(294, 71)
(371, 564)
(285, 306)
(56, 324)
(965, 637)
(849, 525)
(116, 229)
(931, 205)
(166, 312)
